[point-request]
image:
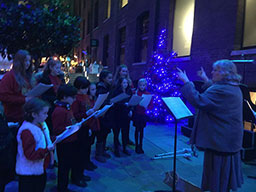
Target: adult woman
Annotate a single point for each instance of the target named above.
(14, 86)
(218, 127)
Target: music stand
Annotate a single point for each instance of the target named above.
(179, 111)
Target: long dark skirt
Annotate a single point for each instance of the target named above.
(222, 171)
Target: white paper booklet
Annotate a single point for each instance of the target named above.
(102, 112)
(38, 90)
(100, 100)
(119, 97)
(177, 107)
(135, 100)
(145, 100)
(71, 130)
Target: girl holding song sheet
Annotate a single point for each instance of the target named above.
(14, 86)
(122, 114)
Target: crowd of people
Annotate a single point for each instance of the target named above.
(43, 118)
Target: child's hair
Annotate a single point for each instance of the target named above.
(50, 63)
(117, 74)
(34, 105)
(19, 68)
(66, 91)
(81, 83)
(119, 84)
(142, 80)
(104, 74)
(89, 88)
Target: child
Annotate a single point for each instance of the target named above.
(14, 86)
(52, 74)
(106, 122)
(82, 108)
(93, 123)
(139, 117)
(34, 146)
(122, 113)
(67, 150)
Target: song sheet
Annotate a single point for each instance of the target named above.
(177, 107)
(135, 100)
(145, 100)
(118, 98)
(71, 130)
(100, 100)
(38, 90)
(102, 111)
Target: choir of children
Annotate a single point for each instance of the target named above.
(68, 105)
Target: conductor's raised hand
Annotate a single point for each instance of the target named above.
(201, 73)
(182, 75)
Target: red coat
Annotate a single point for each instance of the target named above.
(82, 104)
(12, 98)
(139, 109)
(61, 118)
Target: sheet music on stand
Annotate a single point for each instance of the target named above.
(177, 107)
(179, 111)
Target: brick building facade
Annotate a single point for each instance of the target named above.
(126, 32)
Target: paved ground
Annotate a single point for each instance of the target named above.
(138, 173)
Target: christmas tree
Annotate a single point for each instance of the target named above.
(162, 79)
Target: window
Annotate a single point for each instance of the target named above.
(89, 25)
(122, 36)
(123, 3)
(142, 37)
(96, 14)
(249, 38)
(105, 50)
(83, 32)
(183, 26)
(107, 9)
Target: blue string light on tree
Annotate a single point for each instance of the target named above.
(162, 79)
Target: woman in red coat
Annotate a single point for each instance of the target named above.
(14, 86)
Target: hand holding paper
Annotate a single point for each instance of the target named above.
(38, 90)
(100, 100)
(135, 100)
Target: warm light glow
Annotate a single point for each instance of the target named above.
(109, 8)
(124, 2)
(188, 26)
(183, 26)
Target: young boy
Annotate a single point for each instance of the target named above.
(82, 108)
(67, 150)
(139, 117)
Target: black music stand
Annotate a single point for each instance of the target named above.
(179, 111)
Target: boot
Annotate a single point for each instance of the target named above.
(140, 149)
(116, 152)
(99, 153)
(104, 153)
(137, 149)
